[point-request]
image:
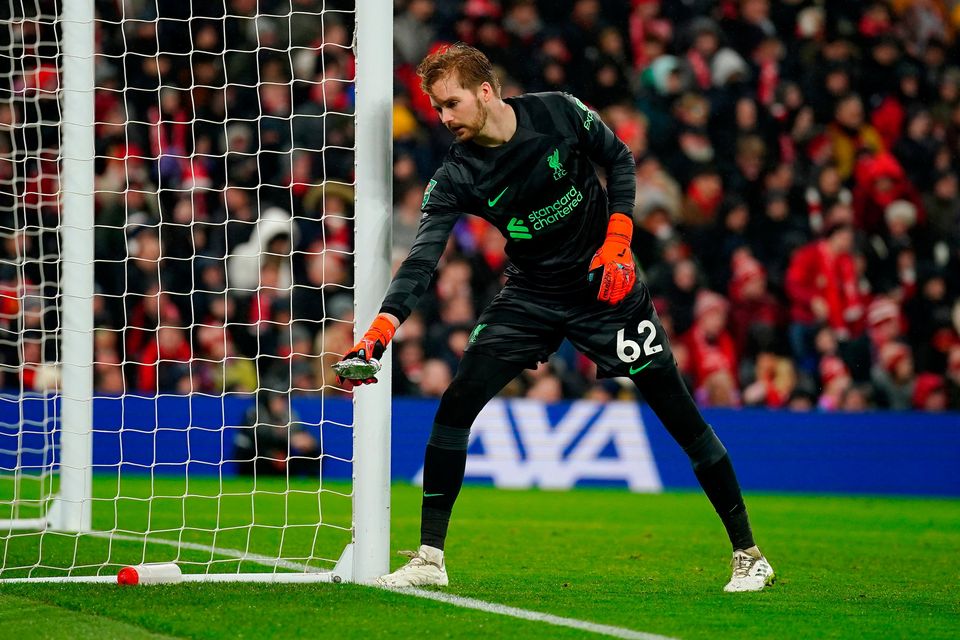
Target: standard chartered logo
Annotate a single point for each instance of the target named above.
(520, 229)
(557, 211)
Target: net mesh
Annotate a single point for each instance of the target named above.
(223, 260)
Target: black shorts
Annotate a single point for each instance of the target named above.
(622, 339)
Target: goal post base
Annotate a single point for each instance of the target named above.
(24, 524)
(343, 570)
(68, 516)
(58, 518)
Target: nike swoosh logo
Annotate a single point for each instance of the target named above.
(432, 495)
(491, 203)
(639, 369)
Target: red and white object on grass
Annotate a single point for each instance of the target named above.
(153, 573)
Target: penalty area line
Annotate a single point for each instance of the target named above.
(439, 596)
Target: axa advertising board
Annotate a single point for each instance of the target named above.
(520, 444)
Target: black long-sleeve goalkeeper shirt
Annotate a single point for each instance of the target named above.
(539, 189)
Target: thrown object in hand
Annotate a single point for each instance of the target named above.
(357, 368)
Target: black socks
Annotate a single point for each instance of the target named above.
(443, 468)
(720, 484)
(712, 466)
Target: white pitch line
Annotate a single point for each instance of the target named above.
(256, 558)
(526, 614)
(457, 601)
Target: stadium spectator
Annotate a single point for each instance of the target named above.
(713, 355)
(835, 382)
(434, 378)
(756, 319)
(916, 148)
(656, 188)
(775, 380)
(274, 441)
(880, 181)
(413, 31)
(165, 363)
(323, 288)
(893, 376)
(884, 321)
(704, 191)
(406, 216)
(931, 326)
(333, 339)
(215, 367)
(652, 231)
(267, 250)
(408, 359)
(826, 190)
(953, 377)
(822, 285)
(948, 97)
(856, 398)
(704, 37)
(942, 205)
(892, 256)
(802, 400)
(107, 370)
(774, 234)
(546, 388)
(850, 135)
(679, 292)
(930, 392)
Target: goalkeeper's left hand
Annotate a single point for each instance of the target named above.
(613, 261)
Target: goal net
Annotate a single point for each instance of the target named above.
(178, 265)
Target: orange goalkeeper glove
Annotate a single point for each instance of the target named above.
(371, 347)
(613, 261)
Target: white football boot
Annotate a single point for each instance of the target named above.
(426, 568)
(751, 571)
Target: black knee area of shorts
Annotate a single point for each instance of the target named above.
(449, 438)
(461, 403)
(667, 395)
(707, 450)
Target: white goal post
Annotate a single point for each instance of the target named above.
(149, 470)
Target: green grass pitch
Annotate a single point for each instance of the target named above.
(848, 567)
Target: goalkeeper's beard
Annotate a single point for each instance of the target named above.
(472, 129)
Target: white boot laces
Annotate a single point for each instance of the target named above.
(416, 560)
(742, 563)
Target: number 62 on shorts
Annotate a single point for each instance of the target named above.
(629, 351)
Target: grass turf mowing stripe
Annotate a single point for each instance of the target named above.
(33, 619)
(457, 601)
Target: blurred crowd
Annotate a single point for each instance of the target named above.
(797, 216)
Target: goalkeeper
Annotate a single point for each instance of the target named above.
(525, 165)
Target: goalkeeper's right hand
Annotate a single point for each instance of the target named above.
(371, 347)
